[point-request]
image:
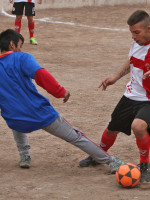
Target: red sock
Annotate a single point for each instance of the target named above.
(17, 25)
(144, 145)
(31, 28)
(107, 140)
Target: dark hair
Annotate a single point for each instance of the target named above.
(7, 36)
(139, 16)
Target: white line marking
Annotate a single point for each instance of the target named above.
(6, 14)
(49, 20)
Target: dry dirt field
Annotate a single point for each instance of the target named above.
(79, 56)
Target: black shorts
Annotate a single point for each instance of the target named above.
(18, 8)
(126, 111)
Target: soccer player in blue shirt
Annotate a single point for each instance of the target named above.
(25, 109)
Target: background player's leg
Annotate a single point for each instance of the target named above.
(18, 23)
(30, 13)
(31, 26)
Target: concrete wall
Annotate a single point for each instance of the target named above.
(4, 4)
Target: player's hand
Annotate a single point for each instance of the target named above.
(11, 1)
(66, 96)
(108, 81)
(146, 75)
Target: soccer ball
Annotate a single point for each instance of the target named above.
(128, 175)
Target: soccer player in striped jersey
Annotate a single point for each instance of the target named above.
(133, 110)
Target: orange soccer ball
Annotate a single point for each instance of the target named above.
(128, 175)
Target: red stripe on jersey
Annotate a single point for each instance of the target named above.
(147, 57)
(146, 82)
(145, 66)
(137, 62)
(146, 85)
(140, 63)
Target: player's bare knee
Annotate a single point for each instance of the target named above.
(18, 17)
(139, 127)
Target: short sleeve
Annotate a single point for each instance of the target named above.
(29, 65)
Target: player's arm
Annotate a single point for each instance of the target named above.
(45, 80)
(125, 69)
(146, 75)
(11, 1)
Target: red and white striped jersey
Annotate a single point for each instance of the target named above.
(31, 1)
(138, 88)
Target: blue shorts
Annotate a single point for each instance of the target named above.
(18, 8)
(126, 111)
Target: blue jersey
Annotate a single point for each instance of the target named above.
(22, 107)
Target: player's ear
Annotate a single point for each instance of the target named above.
(11, 46)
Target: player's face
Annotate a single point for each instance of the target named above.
(19, 46)
(140, 33)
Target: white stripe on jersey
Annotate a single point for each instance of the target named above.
(16, 1)
(135, 89)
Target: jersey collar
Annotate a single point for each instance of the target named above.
(6, 53)
(147, 44)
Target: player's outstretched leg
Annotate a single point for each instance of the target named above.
(89, 161)
(107, 141)
(23, 148)
(62, 129)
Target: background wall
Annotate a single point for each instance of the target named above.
(75, 3)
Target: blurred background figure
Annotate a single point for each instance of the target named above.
(18, 8)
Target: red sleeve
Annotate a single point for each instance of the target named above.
(44, 79)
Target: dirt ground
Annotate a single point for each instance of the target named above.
(79, 56)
